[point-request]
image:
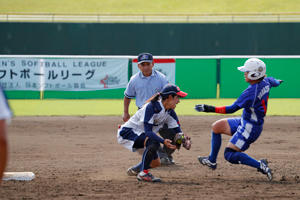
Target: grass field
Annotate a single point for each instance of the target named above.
(148, 7)
(288, 107)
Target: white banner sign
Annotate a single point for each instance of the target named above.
(165, 66)
(63, 74)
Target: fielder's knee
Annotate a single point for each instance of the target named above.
(231, 156)
(152, 146)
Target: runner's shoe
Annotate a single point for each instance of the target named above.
(132, 171)
(265, 169)
(142, 176)
(207, 162)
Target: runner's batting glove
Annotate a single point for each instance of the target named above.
(199, 107)
(204, 108)
(280, 81)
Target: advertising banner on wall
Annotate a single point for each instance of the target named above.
(63, 74)
(165, 66)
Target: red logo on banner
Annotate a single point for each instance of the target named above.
(103, 81)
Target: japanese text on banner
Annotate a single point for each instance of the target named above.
(65, 74)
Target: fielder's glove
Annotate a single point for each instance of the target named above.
(204, 108)
(182, 139)
(187, 142)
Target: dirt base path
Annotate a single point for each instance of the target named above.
(79, 158)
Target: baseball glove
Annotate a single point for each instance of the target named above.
(182, 139)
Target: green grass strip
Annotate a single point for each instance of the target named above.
(286, 107)
(144, 7)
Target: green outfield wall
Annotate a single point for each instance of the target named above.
(210, 77)
(201, 78)
(232, 81)
(197, 77)
(157, 38)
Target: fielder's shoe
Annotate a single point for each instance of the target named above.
(207, 162)
(132, 171)
(265, 169)
(147, 177)
(172, 162)
(165, 161)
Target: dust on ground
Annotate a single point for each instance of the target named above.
(79, 158)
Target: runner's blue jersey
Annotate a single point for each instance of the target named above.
(254, 100)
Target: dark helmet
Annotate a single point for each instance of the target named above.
(172, 89)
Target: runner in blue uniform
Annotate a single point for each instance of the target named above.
(247, 128)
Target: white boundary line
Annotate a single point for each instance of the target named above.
(132, 57)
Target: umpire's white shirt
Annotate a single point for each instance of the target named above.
(142, 88)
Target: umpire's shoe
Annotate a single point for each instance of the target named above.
(207, 162)
(147, 177)
(265, 169)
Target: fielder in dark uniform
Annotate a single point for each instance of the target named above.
(142, 86)
(139, 132)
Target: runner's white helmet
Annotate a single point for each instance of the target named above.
(255, 67)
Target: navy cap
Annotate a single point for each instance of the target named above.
(145, 57)
(172, 89)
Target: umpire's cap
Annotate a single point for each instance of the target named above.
(145, 57)
(172, 89)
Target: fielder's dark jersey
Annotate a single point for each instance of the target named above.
(148, 120)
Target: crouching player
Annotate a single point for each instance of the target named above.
(140, 131)
(246, 129)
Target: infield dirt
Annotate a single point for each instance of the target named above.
(79, 158)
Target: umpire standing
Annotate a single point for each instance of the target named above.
(142, 86)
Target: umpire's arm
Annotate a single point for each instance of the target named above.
(126, 115)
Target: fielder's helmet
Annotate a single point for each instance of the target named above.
(172, 89)
(255, 67)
